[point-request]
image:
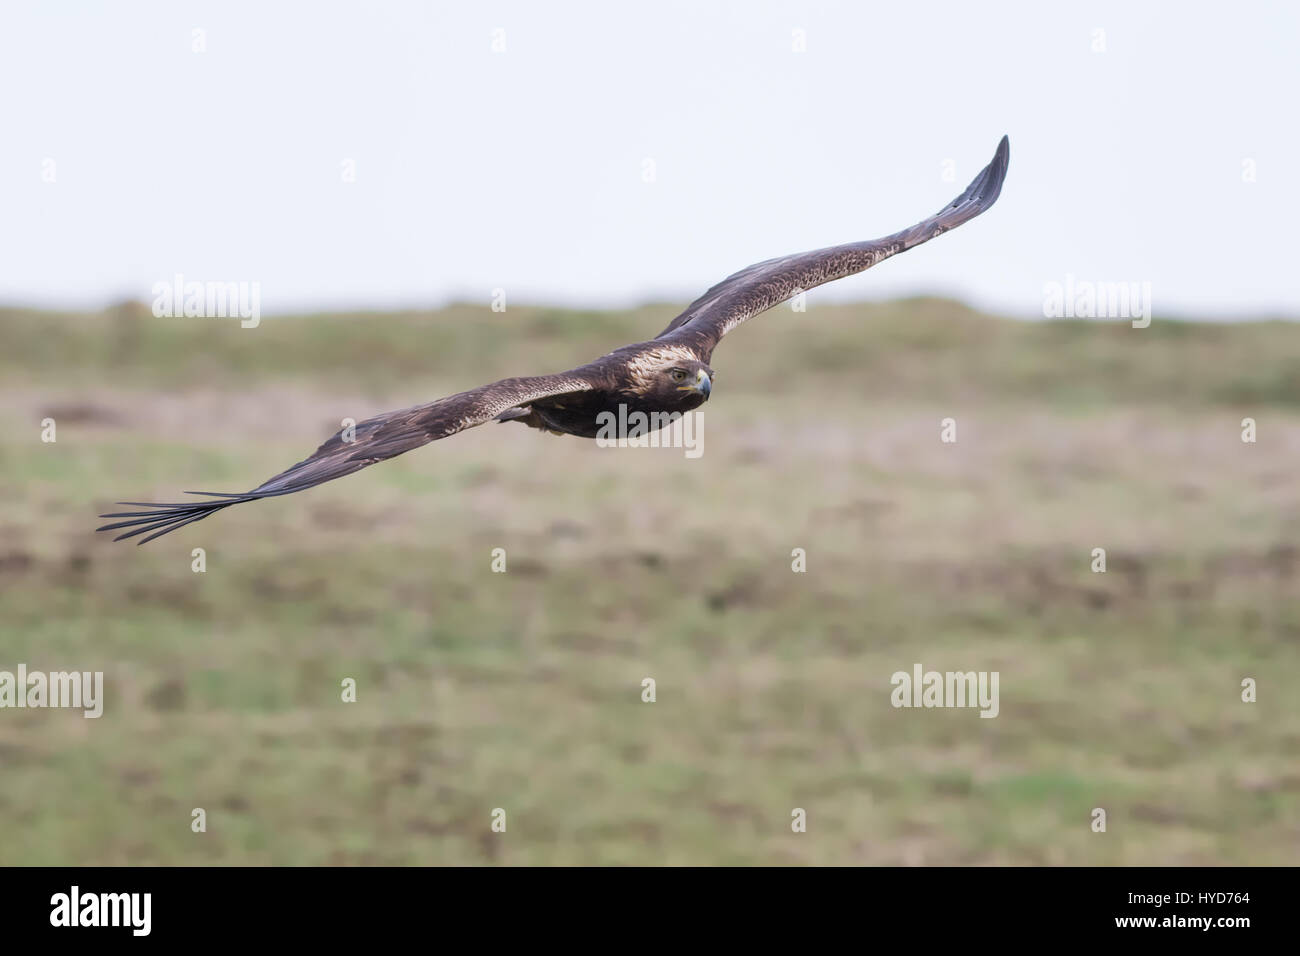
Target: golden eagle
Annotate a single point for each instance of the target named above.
(669, 374)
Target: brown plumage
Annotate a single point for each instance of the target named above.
(670, 373)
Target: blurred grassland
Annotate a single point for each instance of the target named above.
(522, 690)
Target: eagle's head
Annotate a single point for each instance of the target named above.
(672, 380)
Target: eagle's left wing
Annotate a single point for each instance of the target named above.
(765, 284)
(376, 439)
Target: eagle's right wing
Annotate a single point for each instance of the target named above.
(376, 439)
(765, 284)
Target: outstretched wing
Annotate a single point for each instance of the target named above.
(376, 439)
(765, 284)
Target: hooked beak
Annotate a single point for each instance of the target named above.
(702, 385)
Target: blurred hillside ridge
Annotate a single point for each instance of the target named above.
(876, 346)
(522, 690)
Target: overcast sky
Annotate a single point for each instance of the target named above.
(527, 169)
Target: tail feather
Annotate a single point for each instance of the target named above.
(165, 518)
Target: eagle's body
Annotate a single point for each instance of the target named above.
(665, 375)
(626, 380)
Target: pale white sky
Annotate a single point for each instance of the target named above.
(524, 169)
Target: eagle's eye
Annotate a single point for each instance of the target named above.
(679, 375)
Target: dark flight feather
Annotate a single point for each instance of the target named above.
(376, 439)
(759, 287)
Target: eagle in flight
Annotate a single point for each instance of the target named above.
(669, 374)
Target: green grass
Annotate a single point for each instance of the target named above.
(523, 690)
